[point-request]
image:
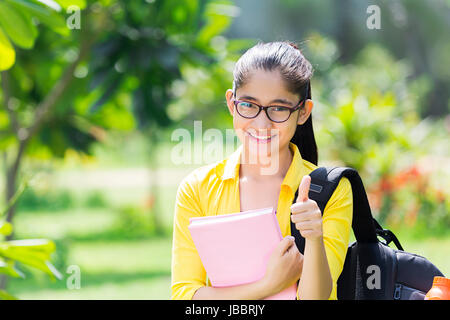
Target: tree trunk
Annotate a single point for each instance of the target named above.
(154, 192)
(10, 190)
(154, 189)
(11, 181)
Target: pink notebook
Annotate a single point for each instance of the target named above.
(235, 248)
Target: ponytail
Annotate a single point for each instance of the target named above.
(304, 137)
(305, 141)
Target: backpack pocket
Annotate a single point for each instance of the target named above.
(402, 292)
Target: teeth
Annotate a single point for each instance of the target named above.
(260, 137)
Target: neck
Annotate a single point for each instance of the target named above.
(269, 167)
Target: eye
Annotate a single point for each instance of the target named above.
(280, 109)
(246, 104)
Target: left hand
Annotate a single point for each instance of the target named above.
(306, 214)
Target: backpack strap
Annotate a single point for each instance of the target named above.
(324, 181)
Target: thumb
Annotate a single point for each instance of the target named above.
(303, 189)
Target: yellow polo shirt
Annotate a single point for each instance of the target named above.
(214, 190)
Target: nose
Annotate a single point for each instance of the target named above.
(262, 121)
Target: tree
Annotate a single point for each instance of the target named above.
(19, 22)
(115, 73)
(16, 21)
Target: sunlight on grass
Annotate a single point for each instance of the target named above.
(122, 257)
(114, 270)
(55, 225)
(141, 289)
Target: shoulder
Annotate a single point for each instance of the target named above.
(200, 178)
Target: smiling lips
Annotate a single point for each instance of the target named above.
(260, 138)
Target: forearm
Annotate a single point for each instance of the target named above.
(251, 291)
(316, 282)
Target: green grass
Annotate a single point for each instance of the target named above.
(56, 225)
(141, 270)
(148, 287)
(109, 270)
(116, 264)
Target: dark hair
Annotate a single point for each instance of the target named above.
(296, 71)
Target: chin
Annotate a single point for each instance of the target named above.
(257, 152)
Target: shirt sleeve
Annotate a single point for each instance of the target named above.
(187, 271)
(336, 226)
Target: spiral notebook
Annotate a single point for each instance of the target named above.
(235, 248)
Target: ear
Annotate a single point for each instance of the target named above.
(230, 104)
(305, 111)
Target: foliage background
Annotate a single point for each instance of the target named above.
(88, 115)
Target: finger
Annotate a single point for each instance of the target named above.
(303, 189)
(285, 244)
(307, 225)
(290, 249)
(306, 216)
(300, 207)
(293, 249)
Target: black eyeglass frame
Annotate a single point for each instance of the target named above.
(266, 108)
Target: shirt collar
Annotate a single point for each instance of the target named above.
(296, 170)
(231, 170)
(292, 179)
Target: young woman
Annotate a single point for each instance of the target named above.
(271, 108)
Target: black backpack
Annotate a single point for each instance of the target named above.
(372, 270)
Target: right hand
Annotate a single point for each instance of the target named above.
(284, 267)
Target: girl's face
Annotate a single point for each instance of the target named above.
(260, 136)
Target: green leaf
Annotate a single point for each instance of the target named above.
(45, 15)
(7, 53)
(6, 296)
(67, 3)
(19, 29)
(218, 17)
(32, 252)
(5, 228)
(43, 245)
(9, 269)
(236, 45)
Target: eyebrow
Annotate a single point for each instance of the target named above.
(273, 101)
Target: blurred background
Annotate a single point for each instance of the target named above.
(93, 92)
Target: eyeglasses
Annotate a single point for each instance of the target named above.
(250, 110)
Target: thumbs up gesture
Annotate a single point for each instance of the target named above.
(306, 214)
